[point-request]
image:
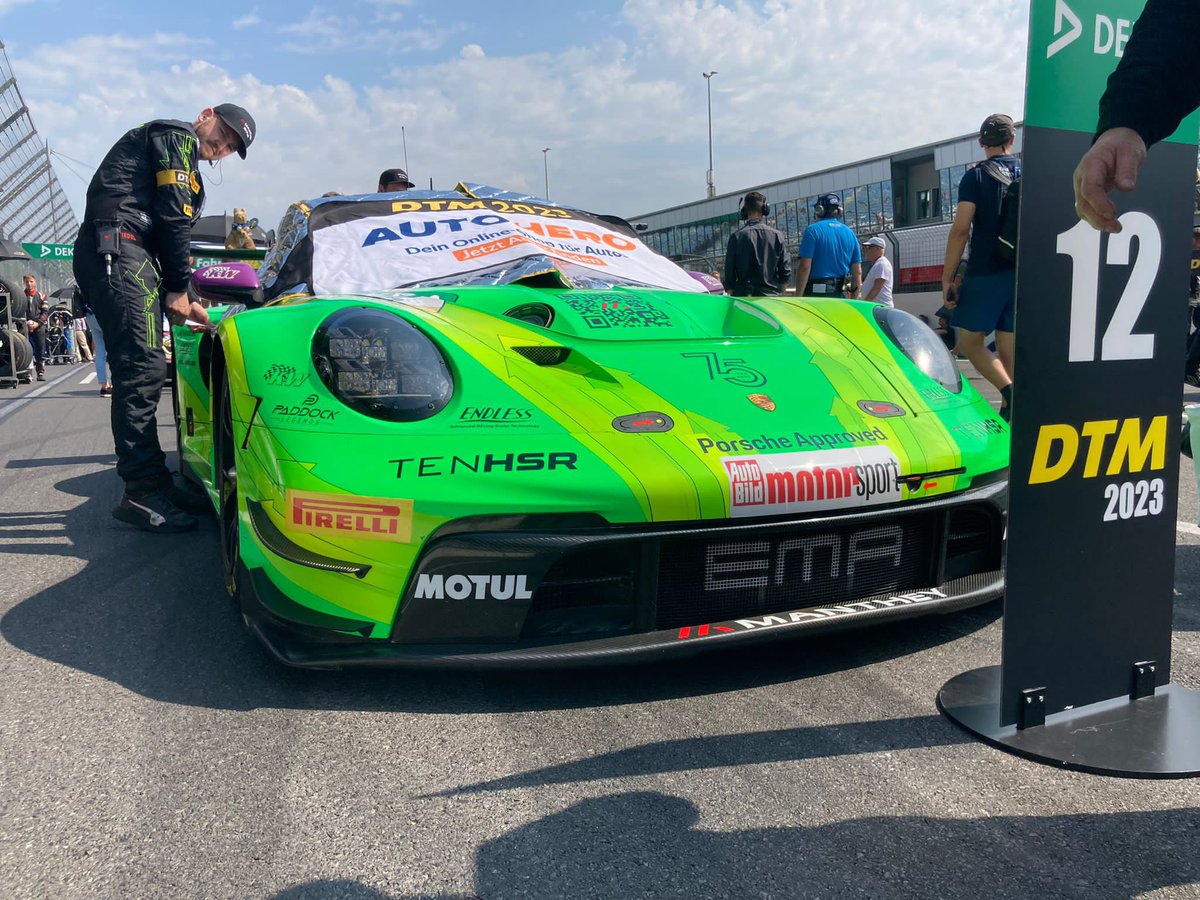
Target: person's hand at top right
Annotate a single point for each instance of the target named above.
(1112, 162)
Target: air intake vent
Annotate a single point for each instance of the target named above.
(544, 356)
(538, 314)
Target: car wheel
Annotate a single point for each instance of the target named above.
(225, 478)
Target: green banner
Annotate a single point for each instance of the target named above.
(50, 251)
(1073, 46)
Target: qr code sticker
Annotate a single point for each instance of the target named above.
(607, 311)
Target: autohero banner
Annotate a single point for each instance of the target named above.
(425, 239)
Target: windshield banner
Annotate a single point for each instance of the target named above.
(427, 239)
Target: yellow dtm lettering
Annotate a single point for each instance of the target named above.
(1134, 449)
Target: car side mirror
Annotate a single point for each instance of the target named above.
(235, 282)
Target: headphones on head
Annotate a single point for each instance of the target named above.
(743, 214)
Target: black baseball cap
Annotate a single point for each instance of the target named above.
(997, 130)
(240, 121)
(388, 176)
(829, 202)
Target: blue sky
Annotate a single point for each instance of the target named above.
(614, 89)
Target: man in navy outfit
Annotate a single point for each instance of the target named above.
(985, 302)
(830, 257)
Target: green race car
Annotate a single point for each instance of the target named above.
(470, 427)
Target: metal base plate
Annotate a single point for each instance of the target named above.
(1154, 737)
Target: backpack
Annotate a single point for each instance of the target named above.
(78, 307)
(1005, 250)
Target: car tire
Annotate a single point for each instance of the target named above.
(225, 481)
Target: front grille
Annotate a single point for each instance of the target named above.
(586, 593)
(711, 579)
(973, 541)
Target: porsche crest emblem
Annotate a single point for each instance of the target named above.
(762, 401)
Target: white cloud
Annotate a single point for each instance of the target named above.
(247, 21)
(802, 85)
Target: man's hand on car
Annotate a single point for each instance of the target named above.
(183, 311)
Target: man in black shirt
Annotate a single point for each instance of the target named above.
(132, 264)
(756, 261)
(1148, 94)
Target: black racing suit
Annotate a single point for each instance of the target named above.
(149, 186)
(1155, 85)
(756, 261)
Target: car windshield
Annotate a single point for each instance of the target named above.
(473, 235)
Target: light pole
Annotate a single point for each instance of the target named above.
(546, 170)
(712, 186)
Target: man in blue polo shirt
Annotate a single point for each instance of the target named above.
(830, 259)
(986, 300)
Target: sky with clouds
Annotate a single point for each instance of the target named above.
(476, 90)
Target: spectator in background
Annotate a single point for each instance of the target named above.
(37, 317)
(986, 300)
(82, 352)
(1191, 367)
(392, 180)
(830, 259)
(756, 259)
(877, 286)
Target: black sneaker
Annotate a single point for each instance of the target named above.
(1193, 380)
(188, 500)
(153, 511)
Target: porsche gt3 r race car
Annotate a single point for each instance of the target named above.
(472, 427)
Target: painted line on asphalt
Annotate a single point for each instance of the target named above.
(89, 379)
(1187, 528)
(9, 410)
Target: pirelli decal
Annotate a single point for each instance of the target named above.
(349, 516)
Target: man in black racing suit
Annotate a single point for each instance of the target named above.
(131, 263)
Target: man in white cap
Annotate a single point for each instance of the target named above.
(132, 265)
(877, 286)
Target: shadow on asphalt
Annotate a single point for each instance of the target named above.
(732, 750)
(150, 613)
(652, 845)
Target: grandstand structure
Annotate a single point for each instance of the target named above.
(908, 197)
(33, 206)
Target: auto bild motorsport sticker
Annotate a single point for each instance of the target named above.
(349, 516)
(800, 616)
(802, 482)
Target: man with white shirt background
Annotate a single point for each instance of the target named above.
(877, 285)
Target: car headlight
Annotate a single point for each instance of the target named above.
(381, 365)
(920, 344)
